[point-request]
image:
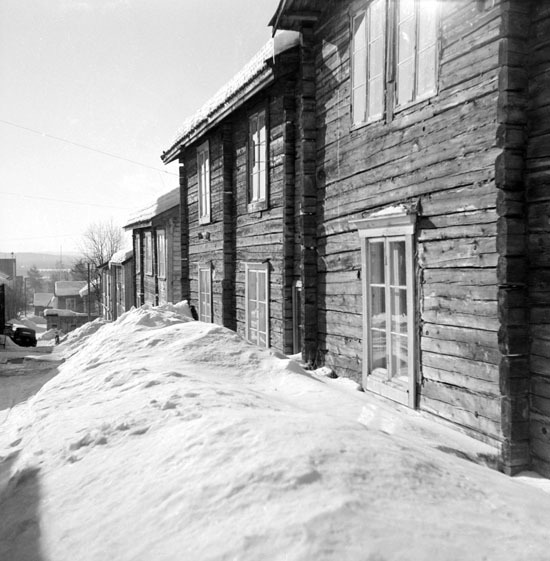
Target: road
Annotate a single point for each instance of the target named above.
(21, 379)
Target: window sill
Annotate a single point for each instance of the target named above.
(257, 206)
(358, 126)
(205, 220)
(424, 99)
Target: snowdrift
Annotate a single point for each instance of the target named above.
(162, 438)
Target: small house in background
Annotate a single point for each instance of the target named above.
(65, 320)
(68, 295)
(69, 306)
(156, 239)
(41, 301)
(117, 284)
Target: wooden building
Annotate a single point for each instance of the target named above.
(432, 155)
(375, 195)
(67, 296)
(245, 245)
(156, 238)
(117, 278)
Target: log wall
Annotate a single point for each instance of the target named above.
(440, 153)
(236, 236)
(538, 208)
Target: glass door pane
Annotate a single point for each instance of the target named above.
(398, 312)
(377, 307)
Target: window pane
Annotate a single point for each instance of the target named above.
(376, 97)
(261, 317)
(376, 262)
(398, 310)
(252, 285)
(378, 350)
(406, 9)
(359, 35)
(427, 24)
(406, 44)
(360, 71)
(378, 307)
(405, 82)
(377, 18)
(360, 104)
(398, 267)
(426, 72)
(376, 58)
(261, 286)
(399, 357)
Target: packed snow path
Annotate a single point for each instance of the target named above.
(161, 438)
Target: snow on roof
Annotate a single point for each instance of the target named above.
(63, 313)
(162, 204)
(233, 92)
(68, 288)
(42, 298)
(121, 256)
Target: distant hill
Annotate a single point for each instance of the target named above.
(25, 261)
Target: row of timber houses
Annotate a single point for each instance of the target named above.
(373, 190)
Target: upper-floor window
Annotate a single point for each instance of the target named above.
(161, 253)
(203, 172)
(148, 253)
(406, 65)
(416, 50)
(257, 161)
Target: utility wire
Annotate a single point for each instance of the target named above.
(17, 126)
(63, 200)
(39, 238)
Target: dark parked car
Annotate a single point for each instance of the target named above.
(21, 335)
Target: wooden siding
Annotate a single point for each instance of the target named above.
(440, 153)
(236, 236)
(259, 235)
(149, 289)
(538, 207)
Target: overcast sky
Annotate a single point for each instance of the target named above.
(118, 76)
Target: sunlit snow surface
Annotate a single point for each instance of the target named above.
(162, 438)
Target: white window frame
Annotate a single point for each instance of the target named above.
(205, 293)
(365, 56)
(253, 335)
(257, 161)
(416, 56)
(148, 253)
(393, 59)
(203, 179)
(392, 225)
(161, 253)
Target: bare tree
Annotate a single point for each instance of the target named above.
(100, 242)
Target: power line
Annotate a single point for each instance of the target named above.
(77, 144)
(40, 238)
(81, 203)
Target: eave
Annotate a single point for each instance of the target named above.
(293, 14)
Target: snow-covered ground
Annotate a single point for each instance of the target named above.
(161, 438)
